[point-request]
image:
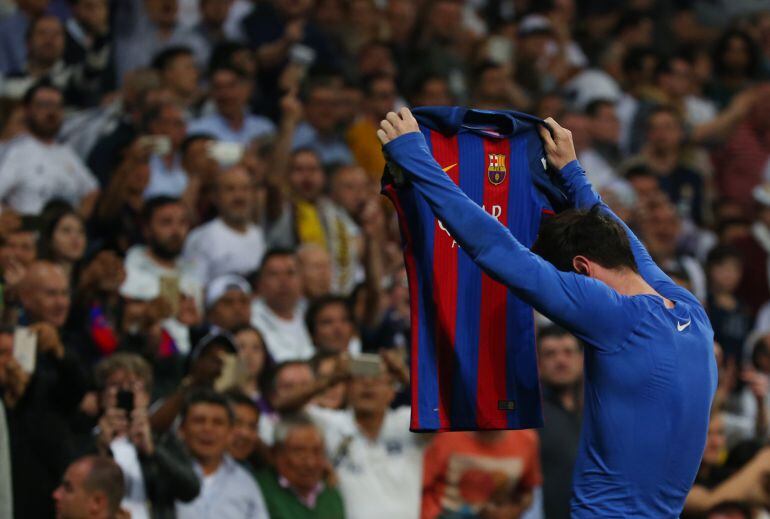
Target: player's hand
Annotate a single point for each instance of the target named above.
(559, 148)
(397, 124)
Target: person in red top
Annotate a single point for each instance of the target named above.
(480, 474)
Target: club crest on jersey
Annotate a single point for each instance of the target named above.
(496, 169)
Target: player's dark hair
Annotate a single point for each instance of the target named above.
(592, 234)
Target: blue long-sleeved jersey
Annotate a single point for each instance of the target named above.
(650, 371)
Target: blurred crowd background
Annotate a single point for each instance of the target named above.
(204, 305)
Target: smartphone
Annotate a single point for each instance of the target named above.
(366, 365)
(157, 144)
(228, 377)
(225, 153)
(125, 400)
(169, 290)
(25, 348)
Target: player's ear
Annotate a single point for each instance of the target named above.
(581, 265)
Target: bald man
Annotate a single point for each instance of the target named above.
(231, 243)
(45, 294)
(92, 488)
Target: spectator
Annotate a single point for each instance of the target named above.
(166, 225)
(14, 28)
(39, 407)
(179, 73)
(91, 488)
(324, 367)
(278, 310)
(380, 94)
(231, 120)
(12, 123)
(245, 446)
(210, 30)
(730, 317)
(755, 248)
(482, 473)
(318, 131)
(253, 358)
(166, 125)
(561, 373)
(296, 487)
(45, 296)
(59, 173)
(231, 243)
(89, 42)
(493, 88)
(330, 323)
(736, 65)
(315, 266)
(603, 157)
(156, 470)
(227, 489)
(228, 304)
(63, 241)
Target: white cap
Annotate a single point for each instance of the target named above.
(219, 286)
(534, 23)
(140, 285)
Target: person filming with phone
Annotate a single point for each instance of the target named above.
(156, 469)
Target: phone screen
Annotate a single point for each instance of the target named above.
(25, 348)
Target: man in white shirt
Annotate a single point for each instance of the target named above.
(279, 311)
(231, 243)
(227, 490)
(377, 460)
(166, 225)
(34, 169)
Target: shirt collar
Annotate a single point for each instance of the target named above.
(309, 500)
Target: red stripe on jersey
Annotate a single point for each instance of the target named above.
(414, 301)
(445, 151)
(492, 329)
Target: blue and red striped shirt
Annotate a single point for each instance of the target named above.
(473, 361)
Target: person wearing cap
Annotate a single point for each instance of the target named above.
(230, 243)
(228, 303)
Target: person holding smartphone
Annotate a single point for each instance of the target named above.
(155, 468)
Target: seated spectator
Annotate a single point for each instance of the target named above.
(227, 489)
(285, 381)
(39, 407)
(330, 323)
(45, 296)
(166, 127)
(296, 487)
(278, 311)
(91, 488)
(231, 120)
(318, 131)
(729, 315)
(13, 32)
(231, 243)
(480, 474)
(245, 446)
(560, 362)
(59, 173)
(755, 248)
(602, 158)
(89, 43)
(156, 470)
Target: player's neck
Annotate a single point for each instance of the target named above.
(629, 283)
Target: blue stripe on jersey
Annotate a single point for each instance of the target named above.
(465, 369)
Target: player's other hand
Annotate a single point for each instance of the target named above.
(397, 124)
(559, 149)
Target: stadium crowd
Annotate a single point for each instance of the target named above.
(194, 250)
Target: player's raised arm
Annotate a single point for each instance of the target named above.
(580, 303)
(560, 152)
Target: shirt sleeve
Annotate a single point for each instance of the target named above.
(583, 196)
(84, 180)
(586, 306)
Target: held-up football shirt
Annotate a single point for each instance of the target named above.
(473, 360)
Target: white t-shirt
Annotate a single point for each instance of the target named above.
(379, 479)
(218, 249)
(137, 258)
(32, 173)
(135, 498)
(285, 340)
